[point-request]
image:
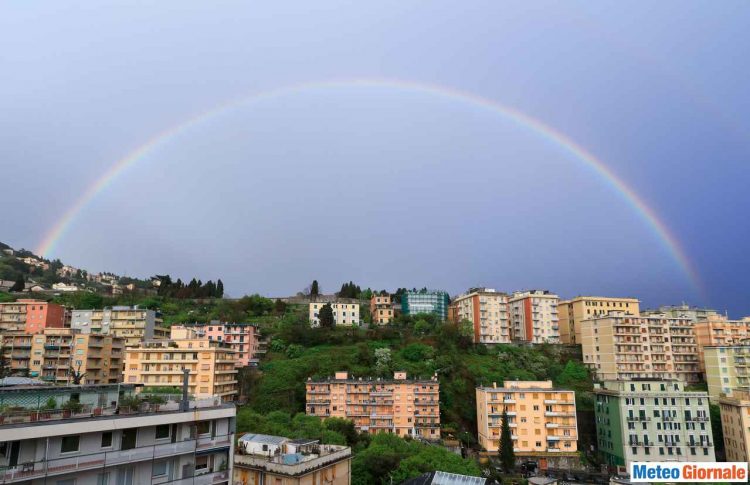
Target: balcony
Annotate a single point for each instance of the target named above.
(73, 464)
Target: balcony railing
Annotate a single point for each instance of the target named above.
(59, 466)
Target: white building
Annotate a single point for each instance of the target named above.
(102, 439)
(343, 313)
(487, 310)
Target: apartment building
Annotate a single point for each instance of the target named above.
(716, 330)
(651, 420)
(30, 316)
(487, 310)
(534, 317)
(59, 356)
(381, 308)
(694, 314)
(735, 424)
(727, 369)
(542, 419)
(160, 363)
(406, 407)
(425, 301)
(265, 459)
(93, 435)
(574, 311)
(622, 346)
(243, 338)
(133, 324)
(346, 314)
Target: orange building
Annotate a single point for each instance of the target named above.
(381, 308)
(534, 317)
(717, 330)
(487, 310)
(542, 419)
(30, 316)
(401, 406)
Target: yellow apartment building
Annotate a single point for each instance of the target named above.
(405, 407)
(542, 419)
(381, 308)
(160, 363)
(59, 355)
(619, 346)
(727, 369)
(346, 314)
(735, 422)
(487, 310)
(574, 311)
(717, 330)
(133, 324)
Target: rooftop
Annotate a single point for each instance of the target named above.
(34, 405)
(291, 457)
(444, 478)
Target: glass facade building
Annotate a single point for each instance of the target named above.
(437, 302)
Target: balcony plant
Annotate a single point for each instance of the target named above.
(129, 404)
(71, 407)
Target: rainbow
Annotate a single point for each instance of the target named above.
(646, 213)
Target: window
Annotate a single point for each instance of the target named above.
(204, 427)
(162, 431)
(159, 469)
(107, 439)
(69, 444)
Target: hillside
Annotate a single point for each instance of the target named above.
(22, 271)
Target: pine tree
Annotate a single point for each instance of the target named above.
(219, 289)
(507, 456)
(325, 316)
(314, 289)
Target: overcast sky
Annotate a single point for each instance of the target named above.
(385, 186)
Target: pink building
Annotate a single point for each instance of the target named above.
(243, 338)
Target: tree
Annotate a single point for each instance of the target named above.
(219, 289)
(507, 456)
(325, 316)
(383, 360)
(19, 285)
(4, 364)
(314, 290)
(77, 375)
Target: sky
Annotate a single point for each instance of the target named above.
(381, 182)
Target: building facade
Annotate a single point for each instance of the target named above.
(735, 424)
(651, 420)
(716, 330)
(90, 443)
(264, 459)
(694, 314)
(401, 406)
(344, 314)
(727, 369)
(30, 316)
(59, 356)
(534, 316)
(243, 338)
(416, 302)
(487, 310)
(133, 324)
(160, 363)
(574, 311)
(381, 308)
(542, 419)
(622, 346)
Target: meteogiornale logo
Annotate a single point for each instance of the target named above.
(688, 472)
